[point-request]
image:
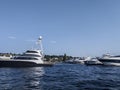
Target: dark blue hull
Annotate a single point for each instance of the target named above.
(109, 60)
(113, 62)
(21, 64)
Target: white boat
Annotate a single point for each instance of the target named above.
(107, 59)
(93, 61)
(4, 57)
(75, 61)
(30, 58)
(78, 60)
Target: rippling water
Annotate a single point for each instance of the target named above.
(61, 77)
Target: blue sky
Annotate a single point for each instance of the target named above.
(74, 27)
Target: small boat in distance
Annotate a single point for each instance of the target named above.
(78, 60)
(75, 61)
(93, 61)
(31, 58)
(107, 59)
(4, 57)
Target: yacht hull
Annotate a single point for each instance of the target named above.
(4, 63)
(112, 62)
(93, 63)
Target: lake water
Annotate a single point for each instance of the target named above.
(61, 77)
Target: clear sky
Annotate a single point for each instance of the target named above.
(74, 27)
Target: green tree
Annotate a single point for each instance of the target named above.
(64, 57)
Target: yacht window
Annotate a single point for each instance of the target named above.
(117, 56)
(27, 58)
(31, 51)
(31, 55)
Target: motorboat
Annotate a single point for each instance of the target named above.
(4, 57)
(78, 60)
(108, 59)
(75, 61)
(30, 58)
(92, 61)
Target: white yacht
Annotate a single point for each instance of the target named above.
(107, 59)
(30, 58)
(78, 60)
(92, 61)
(4, 57)
(75, 61)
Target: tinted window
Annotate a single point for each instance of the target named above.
(31, 52)
(31, 55)
(27, 58)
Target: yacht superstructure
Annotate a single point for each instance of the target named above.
(31, 58)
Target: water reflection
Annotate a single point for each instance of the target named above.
(33, 78)
(60, 77)
(21, 78)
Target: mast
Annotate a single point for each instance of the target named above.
(40, 43)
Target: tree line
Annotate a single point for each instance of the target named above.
(57, 58)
